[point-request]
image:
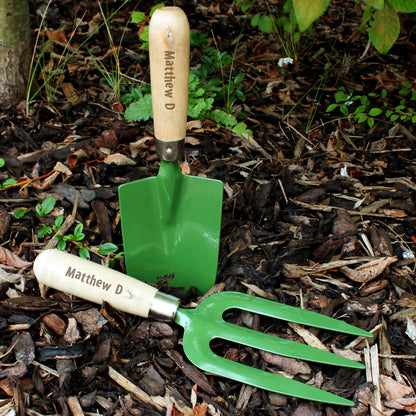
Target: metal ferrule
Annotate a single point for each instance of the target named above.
(163, 307)
(170, 151)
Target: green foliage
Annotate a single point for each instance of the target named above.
(7, 182)
(380, 18)
(46, 206)
(41, 211)
(46, 229)
(206, 91)
(283, 22)
(307, 11)
(384, 28)
(140, 110)
(107, 248)
(141, 19)
(75, 238)
(365, 108)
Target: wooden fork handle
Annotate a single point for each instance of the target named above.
(97, 283)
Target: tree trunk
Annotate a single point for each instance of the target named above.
(15, 51)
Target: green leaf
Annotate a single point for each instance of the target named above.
(384, 93)
(84, 253)
(265, 24)
(404, 91)
(154, 8)
(78, 229)
(107, 248)
(39, 211)
(241, 129)
(61, 245)
(331, 107)
(344, 109)
(341, 96)
(374, 112)
(385, 29)
(140, 110)
(255, 20)
(2, 162)
(361, 118)
(20, 213)
(48, 204)
(377, 4)
(404, 6)
(222, 118)
(368, 12)
(138, 17)
(9, 182)
(59, 220)
(307, 11)
(44, 231)
(360, 109)
(406, 84)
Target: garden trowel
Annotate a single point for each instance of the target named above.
(171, 222)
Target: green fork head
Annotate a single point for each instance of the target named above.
(206, 323)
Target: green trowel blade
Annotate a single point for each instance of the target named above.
(171, 225)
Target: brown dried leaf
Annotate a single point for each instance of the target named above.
(118, 159)
(107, 139)
(24, 348)
(344, 225)
(12, 278)
(368, 271)
(392, 389)
(72, 335)
(395, 213)
(350, 354)
(10, 259)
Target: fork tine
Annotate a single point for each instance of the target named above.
(281, 346)
(198, 351)
(234, 300)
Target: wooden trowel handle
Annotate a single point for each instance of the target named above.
(96, 283)
(169, 72)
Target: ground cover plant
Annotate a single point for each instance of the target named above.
(318, 207)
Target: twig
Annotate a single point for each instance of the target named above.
(136, 390)
(74, 406)
(330, 208)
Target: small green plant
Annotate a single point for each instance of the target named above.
(7, 182)
(209, 97)
(107, 249)
(141, 19)
(281, 21)
(41, 211)
(47, 229)
(75, 238)
(364, 108)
